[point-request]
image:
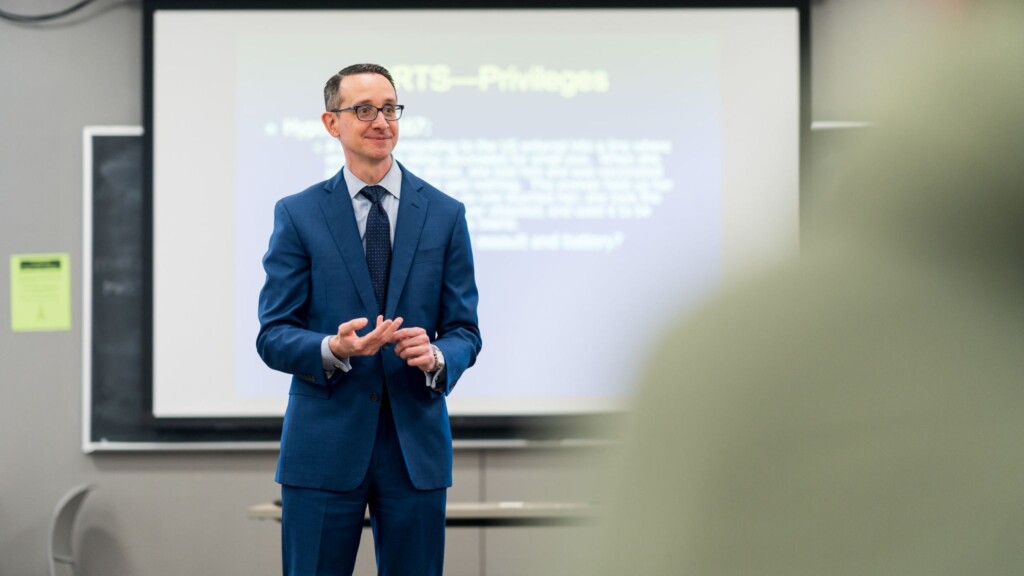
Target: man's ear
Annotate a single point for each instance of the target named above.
(330, 121)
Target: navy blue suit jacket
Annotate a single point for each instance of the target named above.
(317, 278)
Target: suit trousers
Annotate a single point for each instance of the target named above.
(320, 529)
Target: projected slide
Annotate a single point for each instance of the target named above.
(616, 166)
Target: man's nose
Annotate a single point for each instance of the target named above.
(380, 121)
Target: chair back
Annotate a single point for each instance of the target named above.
(61, 555)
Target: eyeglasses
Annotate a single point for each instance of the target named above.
(368, 113)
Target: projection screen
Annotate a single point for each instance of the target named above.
(618, 167)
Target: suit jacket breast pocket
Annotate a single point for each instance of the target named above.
(428, 256)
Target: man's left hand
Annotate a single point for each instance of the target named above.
(413, 346)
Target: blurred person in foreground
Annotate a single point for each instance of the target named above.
(861, 412)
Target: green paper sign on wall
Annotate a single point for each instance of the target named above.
(40, 292)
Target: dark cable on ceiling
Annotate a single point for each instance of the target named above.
(44, 17)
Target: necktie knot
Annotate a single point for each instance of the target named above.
(374, 194)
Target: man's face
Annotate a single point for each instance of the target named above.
(364, 142)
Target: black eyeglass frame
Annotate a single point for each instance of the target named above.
(398, 111)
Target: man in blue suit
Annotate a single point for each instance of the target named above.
(367, 423)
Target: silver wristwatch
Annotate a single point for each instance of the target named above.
(438, 359)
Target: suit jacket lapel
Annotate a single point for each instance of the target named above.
(341, 221)
(412, 212)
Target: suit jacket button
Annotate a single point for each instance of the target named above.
(374, 397)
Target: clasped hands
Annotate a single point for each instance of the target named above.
(411, 344)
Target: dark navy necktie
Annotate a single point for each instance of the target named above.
(378, 244)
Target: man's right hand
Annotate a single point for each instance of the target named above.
(346, 343)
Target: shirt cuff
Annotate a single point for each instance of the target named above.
(329, 361)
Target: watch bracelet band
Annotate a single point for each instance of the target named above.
(437, 361)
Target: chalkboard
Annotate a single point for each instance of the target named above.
(117, 314)
(118, 338)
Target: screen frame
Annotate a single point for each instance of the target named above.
(467, 431)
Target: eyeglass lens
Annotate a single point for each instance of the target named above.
(368, 113)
